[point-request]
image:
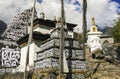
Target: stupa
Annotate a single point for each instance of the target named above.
(93, 40)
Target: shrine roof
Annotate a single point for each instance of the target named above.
(105, 36)
(52, 23)
(36, 36)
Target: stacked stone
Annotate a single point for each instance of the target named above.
(18, 27)
(48, 56)
(15, 30)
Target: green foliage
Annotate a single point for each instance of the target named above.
(116, 31)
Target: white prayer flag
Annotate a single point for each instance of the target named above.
(65, 64)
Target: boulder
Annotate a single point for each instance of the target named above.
(111, 53)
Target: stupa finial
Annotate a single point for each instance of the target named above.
(93, 20)
(55, 18)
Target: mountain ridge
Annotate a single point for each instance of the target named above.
(3, 26)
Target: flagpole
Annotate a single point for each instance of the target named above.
(29, 40)
(61, 40)
(84, 27)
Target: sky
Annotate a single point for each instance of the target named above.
(104, 11)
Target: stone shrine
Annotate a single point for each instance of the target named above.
(45, 46)
(48, 56)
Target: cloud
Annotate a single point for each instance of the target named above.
(104, 11)
(10, 8)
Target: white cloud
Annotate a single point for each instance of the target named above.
(10, 8)
(104, 11)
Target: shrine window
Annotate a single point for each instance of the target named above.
(94, 29)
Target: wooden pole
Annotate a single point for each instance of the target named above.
(61, 40)
(84, 24)
(29, 40)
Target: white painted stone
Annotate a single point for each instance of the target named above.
(94, 43)
(32, 56)
(42, 30)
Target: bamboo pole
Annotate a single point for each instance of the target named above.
(61, 40)
(29, 41)
(84, 24)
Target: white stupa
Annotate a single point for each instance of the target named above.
(93, 40)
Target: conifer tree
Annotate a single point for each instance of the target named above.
(116, 31)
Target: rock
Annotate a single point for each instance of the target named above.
(109, 59)
(98, 54)
(101, 68)
(111, 53)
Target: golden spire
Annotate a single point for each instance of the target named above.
(42, 15)
(55, 18)
(93, 21)
(93, 28)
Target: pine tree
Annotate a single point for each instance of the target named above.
(116, 31)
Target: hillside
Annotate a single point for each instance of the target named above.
(100, 68)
